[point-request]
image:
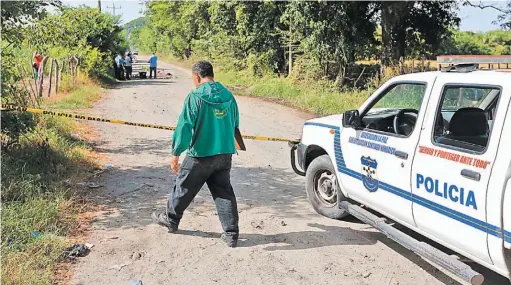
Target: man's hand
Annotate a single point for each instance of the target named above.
(174, 164)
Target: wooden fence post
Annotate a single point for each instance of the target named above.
(51, 75)
(41, 76)
(69, 70)
(401, 65)
(75, 71)
(35, 79)
(56, 76)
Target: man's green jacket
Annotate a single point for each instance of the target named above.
(207, 121)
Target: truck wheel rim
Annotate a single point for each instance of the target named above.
(324, 187)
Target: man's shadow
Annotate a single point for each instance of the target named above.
(328, 236)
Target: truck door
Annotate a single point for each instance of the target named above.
(453, 163)
(375, 162)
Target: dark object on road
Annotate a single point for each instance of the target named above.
(136, 282)
(77, 250)
(142, 75)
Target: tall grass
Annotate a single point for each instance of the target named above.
(319, 97)
(39, 181)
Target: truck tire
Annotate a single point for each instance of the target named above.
(323, 189)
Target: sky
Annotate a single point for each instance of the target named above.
(472, 19)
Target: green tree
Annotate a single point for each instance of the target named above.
(92, 35)
(331, 34)
(177, 24)
(490, 43)
(16, 15)
(505, 18)
(421, 26)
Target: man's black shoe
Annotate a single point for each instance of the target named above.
(230, 241)
(162, 220)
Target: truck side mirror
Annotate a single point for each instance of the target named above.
(351, 119)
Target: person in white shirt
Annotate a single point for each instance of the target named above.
(117, 66)
(128, 63)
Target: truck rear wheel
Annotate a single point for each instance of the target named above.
(322, 188)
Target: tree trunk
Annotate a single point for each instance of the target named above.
(341, 74)
(51, 75)
(393, 16)
(290, 59)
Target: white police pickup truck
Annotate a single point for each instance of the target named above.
(431, 151)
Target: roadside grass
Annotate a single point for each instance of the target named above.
(84, 93)
(39, 194)
(318, 97)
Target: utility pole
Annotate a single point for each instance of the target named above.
(113, 8)
(99, 5)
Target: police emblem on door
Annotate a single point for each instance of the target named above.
(369, 174)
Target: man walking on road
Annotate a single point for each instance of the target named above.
(206, 129)
(152, 65)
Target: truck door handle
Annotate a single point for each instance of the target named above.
(467, 173)
(401, 154)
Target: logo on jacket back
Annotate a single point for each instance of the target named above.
(369, 174)
(220, 114)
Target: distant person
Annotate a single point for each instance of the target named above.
(121, 67)
(206, 130)
(118, 59)
(128, 64)
(38, 58)
(152, 65)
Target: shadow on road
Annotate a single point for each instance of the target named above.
(133, 193)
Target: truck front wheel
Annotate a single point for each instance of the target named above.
(322, 188)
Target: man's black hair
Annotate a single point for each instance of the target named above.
(203, 68)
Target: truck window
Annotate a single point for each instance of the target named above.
(396, 110)
(402, 96)
(463, 120)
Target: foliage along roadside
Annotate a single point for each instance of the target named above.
(43, 158)
(326, 38)
(318, 97)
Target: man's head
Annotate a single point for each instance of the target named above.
(202, 71)
(154, 53)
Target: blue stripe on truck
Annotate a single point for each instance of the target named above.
(458, 216)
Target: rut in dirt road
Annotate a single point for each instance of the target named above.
(282, 240)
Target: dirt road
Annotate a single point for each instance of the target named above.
(283, 241)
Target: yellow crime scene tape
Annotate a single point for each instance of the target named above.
(120, 122)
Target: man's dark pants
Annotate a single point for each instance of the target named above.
(151, 69)
(215, 171)
(128, 72)
(117, 71)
